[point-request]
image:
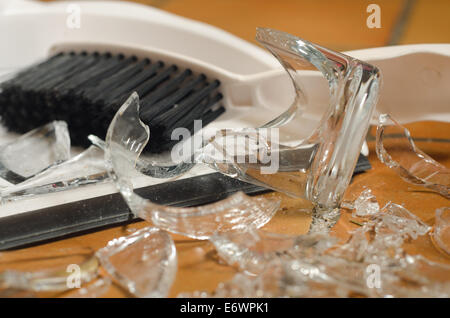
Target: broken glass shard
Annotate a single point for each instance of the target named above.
(372, 263)
(292, 278)
(34, 152)
(126, 138)
(86, 168)
(267, 284)
(347, 205)
(254, 249)
(145, 262)
(330, 274)
(417, 277)
(323, 219)
(49, 280)
(396, 149)
(94, 289)
(238, 212)
(366, 204)
(395, 220)
(318, 166)
(392, 226)
(441, 232)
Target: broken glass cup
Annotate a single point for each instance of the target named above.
(145, 262)
(320, 165)
(125, 140)
(397, 150)
(318, 168)
(34, 152)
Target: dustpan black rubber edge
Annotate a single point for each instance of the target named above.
(79, 217)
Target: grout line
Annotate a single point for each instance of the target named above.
(400, 25)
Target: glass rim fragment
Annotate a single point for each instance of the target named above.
(128, 277)
(425, 171)
(441, 226)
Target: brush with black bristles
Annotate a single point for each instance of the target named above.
(86, 89)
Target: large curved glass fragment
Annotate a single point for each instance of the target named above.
(319, 167)
(145, 262)
(397, 150)
(86, 168)
(125, 140)
(34, 152)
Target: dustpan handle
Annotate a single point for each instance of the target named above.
(415, 81)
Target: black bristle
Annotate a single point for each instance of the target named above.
(86, 89)
(183, 108)
(120, 94)
(153, 110)
(163, 92)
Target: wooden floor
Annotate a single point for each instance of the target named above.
(339, 25)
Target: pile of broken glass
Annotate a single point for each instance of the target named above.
(371, 263)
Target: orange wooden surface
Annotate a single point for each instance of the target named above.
(339, 25)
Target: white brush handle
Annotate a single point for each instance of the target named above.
(416, 81)
(34, 27)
